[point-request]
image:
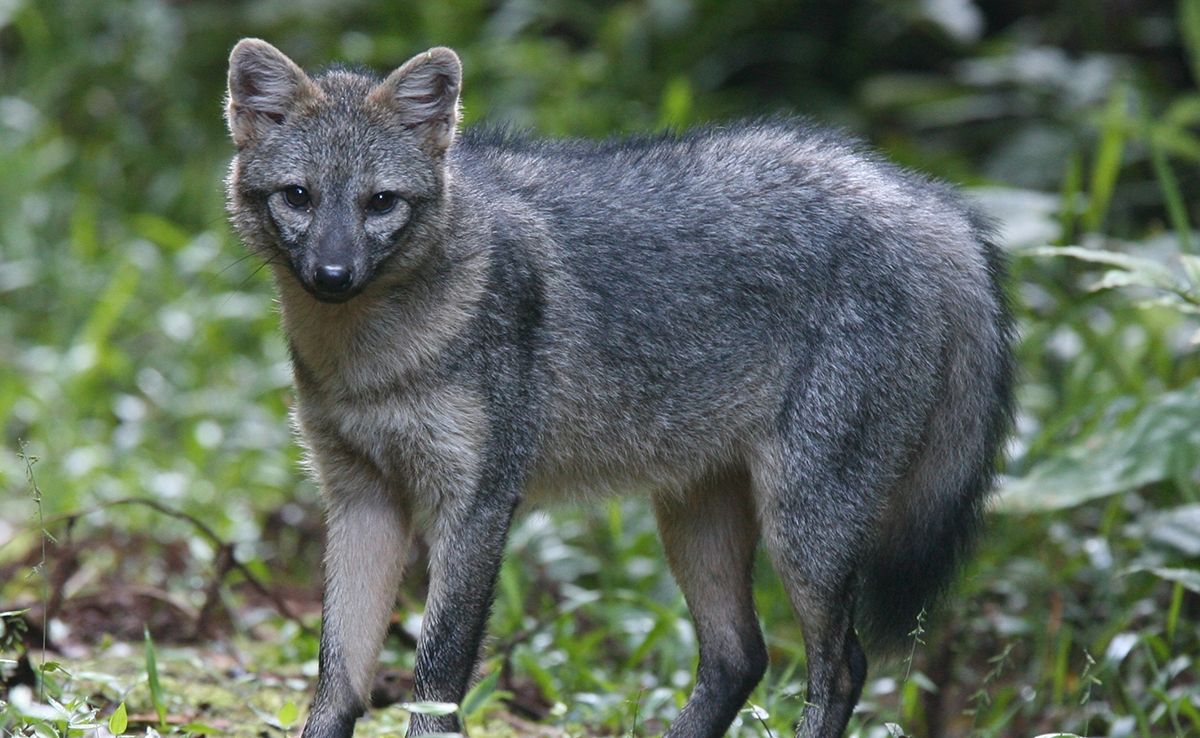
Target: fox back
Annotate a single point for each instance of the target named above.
(774, 334)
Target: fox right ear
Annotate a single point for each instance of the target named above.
(264, 86)
(423, 94)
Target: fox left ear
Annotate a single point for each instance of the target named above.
(264, 86)
(424, 94)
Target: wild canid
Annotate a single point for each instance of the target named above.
(772, 333)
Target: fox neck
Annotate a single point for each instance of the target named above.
(390, 333)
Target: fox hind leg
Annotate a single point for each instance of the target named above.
(709, 536)
(814, 532)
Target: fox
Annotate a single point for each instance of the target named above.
(774, 334)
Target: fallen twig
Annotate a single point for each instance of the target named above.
(225, 561)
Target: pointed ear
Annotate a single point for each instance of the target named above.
(424, 95)
(264, 86)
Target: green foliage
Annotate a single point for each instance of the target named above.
(46, 718)
(1160, 445)
(12, 628)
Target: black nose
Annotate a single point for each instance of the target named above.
(333, 278)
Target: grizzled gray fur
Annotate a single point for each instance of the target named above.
(773, 335)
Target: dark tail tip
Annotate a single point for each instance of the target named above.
(906, 575)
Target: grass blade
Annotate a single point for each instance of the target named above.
(1189, 28)
(1173, 610)
(1176, 209)
(156, 692)
(1109, 153)
(1071, 191)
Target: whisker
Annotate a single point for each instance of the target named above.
(270, 260)
(266, 262)
(208, 282)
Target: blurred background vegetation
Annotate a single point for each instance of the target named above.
(139, 355)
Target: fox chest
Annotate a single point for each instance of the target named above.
(424, 442)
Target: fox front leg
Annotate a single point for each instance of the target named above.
(464, 562)
(368, 542)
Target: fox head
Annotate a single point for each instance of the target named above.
(338, 175)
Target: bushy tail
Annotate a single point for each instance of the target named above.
(936, 510)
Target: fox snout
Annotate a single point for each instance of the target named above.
(332, 282)
(332, 262)
(333, 279)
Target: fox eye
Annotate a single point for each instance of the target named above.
(297, 197)
(382, 202)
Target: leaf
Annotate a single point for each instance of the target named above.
(1136, 271)
(479, 695)
(435, 709)
(1178, 528)
(1121, 278)
(1161, 442)
(1150, 269)
(1171, 300)
(200, 728)
(1189, 578)
(288, 713)
(119, 720)
(43, 729)
(1191, 266)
